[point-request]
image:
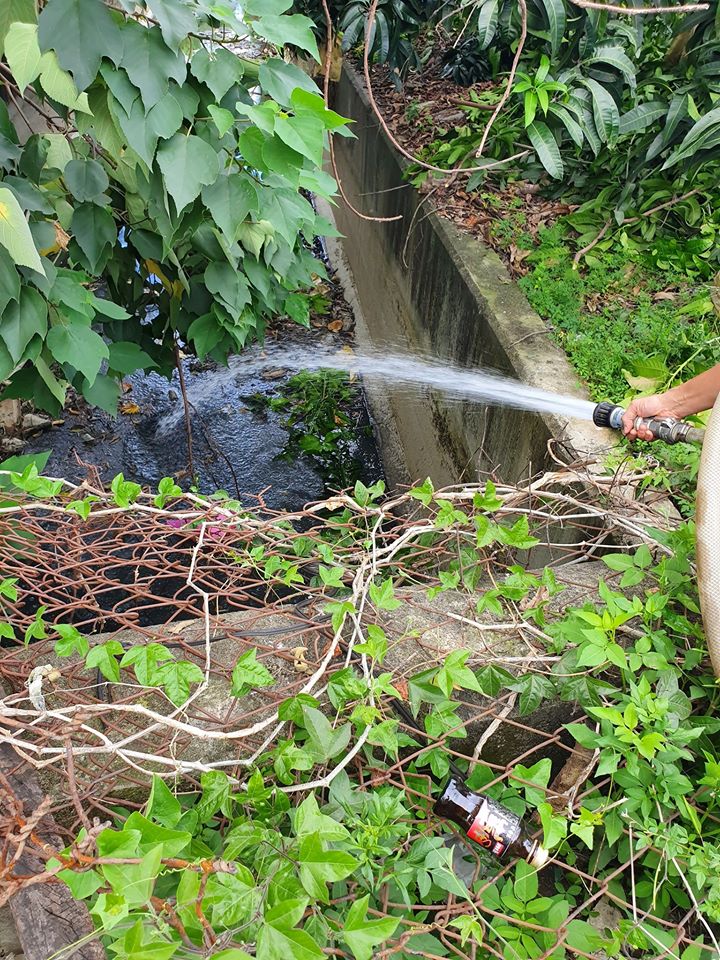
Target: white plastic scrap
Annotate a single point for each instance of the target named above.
(35, 682)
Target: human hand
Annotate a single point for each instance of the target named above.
(659, 405)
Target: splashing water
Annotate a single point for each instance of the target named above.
(398, 370)
(461, 382)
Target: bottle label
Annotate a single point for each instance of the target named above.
(494, 827)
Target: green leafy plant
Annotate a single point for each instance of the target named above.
(162, 182)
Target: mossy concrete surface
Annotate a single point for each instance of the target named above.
(422, 285)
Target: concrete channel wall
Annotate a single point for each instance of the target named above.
(423, 286)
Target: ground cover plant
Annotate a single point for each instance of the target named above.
(314, 835)
(147, 197)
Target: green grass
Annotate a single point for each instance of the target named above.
(608, 321)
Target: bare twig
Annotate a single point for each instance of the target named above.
(510, 80)
(639, 11)
(331, 143)
(186, 405)
(648, 213)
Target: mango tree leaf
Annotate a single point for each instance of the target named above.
(187, 163)
(487, 22)
(23, 53)
(641, 117)
(86, 179)
(73, 341)
(605, 112)
(81, 32)
(15, 233)
(12, 11)
(569, 122)
(294, 30)
(555, 12)
(361, 934)
(546, 148)
(703, 135)
(614, 56)
(22, 320)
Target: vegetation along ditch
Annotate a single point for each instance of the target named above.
(238, 668)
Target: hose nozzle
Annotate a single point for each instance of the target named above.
(662, 428)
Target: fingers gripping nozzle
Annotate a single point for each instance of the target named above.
(662, 428)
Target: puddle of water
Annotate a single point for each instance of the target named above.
(238, 446)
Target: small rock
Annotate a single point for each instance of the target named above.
(173, 396)
(12, 445)
(87, 438)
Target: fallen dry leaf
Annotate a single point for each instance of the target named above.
(129, 407)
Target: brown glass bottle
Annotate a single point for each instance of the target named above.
(488, 823)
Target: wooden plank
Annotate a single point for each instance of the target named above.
(48, 919)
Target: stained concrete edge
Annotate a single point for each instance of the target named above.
(510, 336)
